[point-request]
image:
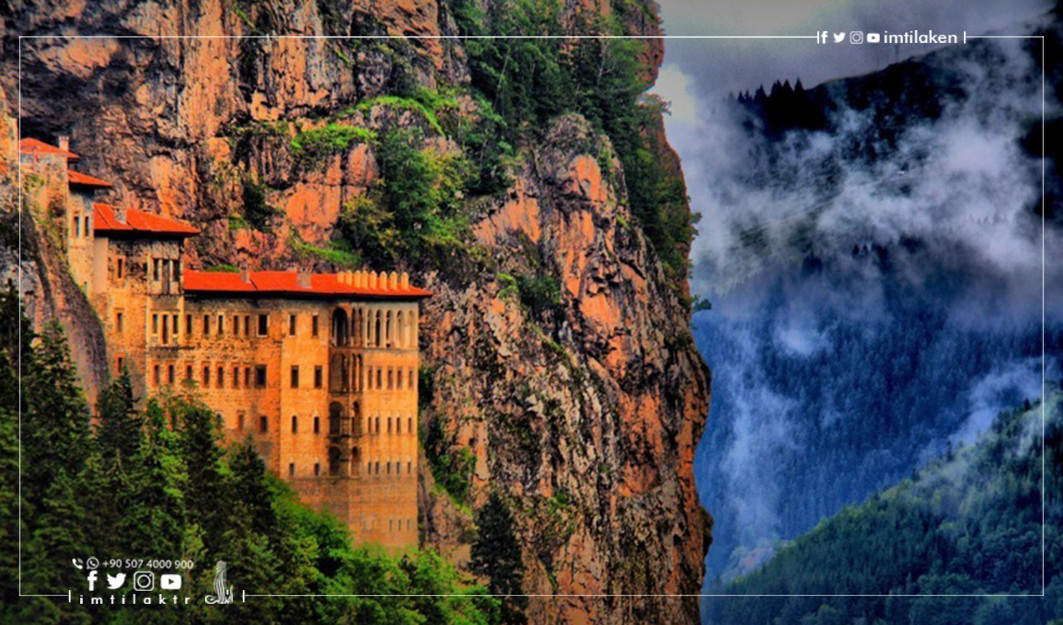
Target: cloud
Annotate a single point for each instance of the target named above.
(960, 185)
(933, 238)
(1003, 388)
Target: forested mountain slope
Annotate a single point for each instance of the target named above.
(969, 523)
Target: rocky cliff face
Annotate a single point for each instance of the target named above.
(582, 409)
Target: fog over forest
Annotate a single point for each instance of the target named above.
(872, 250)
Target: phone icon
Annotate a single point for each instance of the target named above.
(78, 564)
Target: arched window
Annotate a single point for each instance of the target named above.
(400, 335)
(335, 416)
(339, 327)
(333, 460)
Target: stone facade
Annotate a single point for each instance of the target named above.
(318, 371)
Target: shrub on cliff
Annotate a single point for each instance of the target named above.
(416, 214)
(329, 139)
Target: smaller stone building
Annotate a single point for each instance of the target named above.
(319, 370)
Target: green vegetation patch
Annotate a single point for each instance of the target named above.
(331, 138)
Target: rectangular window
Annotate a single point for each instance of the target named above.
(317, 425)
(247, 377)
(236, 377)
(165, 329)
(206, 376)
(260, 376)
(263, 325)
(398, 379)
(188, 372)
(156, 375)
(391, 379)
(410, 385)
(120, 268)
(295, 376)
(118, 325)
(188, 325)
(240, 422)
(77, 226)
(221, 325)
(379, 375)
(206, 325)
(291, 325)
(247, 325)
(170, 374)
(154, 324)
(174, 320)
(319, 376)
(177, 271)
(291, 468)
(156, 271)
(221, 377)
(263, 424)
(295, 424)
(317, 468)
(313, 325)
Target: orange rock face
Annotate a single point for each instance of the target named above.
(587, 415)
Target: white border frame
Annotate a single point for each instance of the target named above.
(268, 37)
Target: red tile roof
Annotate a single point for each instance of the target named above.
(34, 146)
(286, 283)
(138, 222)
(76, 177)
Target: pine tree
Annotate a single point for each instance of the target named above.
(118, 433)
(55, 432)
(496, 555)
(199, 432)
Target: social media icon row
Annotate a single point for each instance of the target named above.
(856, 37)
(143, 581)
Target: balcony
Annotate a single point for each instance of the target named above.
(341, 427)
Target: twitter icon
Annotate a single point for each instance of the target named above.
(839, 37)
(115, 581)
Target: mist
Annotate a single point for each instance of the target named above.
(877, 286)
